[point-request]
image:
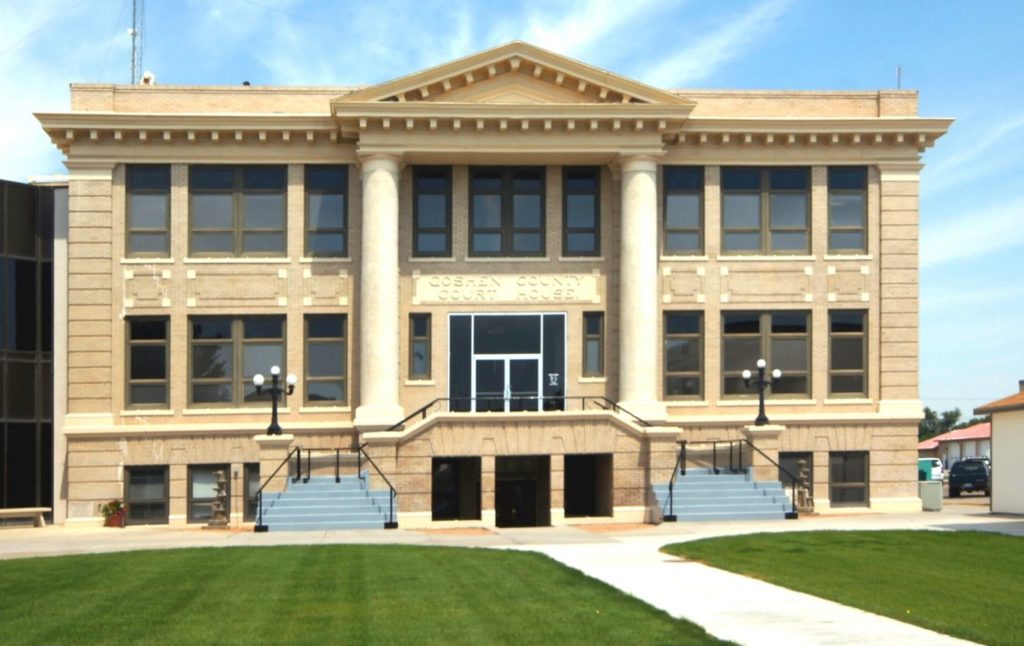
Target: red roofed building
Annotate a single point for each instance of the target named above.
(970, 442)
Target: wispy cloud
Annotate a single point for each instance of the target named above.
(985, 149)
(706, 54)
(974, 233)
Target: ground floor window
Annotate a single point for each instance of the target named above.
(848, 478)
(146, 495)
(455, 491)
(791, 462)
(202, 490)
(522, 491)
(588, 485)
(252, 485)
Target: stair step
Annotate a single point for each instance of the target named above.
(325, 526)
(720, 516)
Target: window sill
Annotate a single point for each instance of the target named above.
(593, 380)
(832, 401)
(581, 259)
(147, 261)
(322, 260)
(431, 259)
(325, 409)
(683, 258)
(419, 382)
(147, 412)
(736, 403)
(763, 258)
(851, 256)
(283, 410)
(687, 403)
(507, 259)
(234, 260)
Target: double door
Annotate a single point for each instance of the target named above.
(504, 383)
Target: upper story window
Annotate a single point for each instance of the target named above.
(683, 191)
(506, 212)
(226, 352)
(847, 209)
(593, 344)
(432, 211)
(684, 352)
(766, 210)
(237, 210)
(326, 211)
(581, 222)
(326, 360)
(148, 362)
(780, 338)
(847, 353)
(419, 346)
(148, 210)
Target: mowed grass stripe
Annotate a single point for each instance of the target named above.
(322, 594)
(965, 584)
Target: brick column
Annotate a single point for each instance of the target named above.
(765, 438)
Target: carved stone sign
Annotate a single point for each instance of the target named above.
(505, 288)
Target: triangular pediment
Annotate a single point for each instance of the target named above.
(515, 73)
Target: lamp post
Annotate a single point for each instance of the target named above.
(276, 391)
(762, 384)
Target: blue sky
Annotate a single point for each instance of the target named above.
(965, 58)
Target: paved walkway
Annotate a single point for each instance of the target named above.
(729, 606)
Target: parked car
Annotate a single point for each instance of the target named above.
(970, 475)
(929, 469)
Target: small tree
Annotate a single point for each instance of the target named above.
(937, 423)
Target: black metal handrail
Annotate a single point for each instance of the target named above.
(792, 478)
(680, 459)
(391, 522)
(337, 462)
(557, 404)
(297, 452)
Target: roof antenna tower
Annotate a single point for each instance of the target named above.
(899, 77)
(138, 20)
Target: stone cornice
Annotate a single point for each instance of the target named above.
(910, 131)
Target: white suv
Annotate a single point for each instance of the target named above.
(932, 464)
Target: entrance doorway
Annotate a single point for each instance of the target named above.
(588, 485)
(503, 384)
(522, 491)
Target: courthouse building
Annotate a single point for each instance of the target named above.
(514, 281)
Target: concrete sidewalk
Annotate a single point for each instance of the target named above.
(729, 606)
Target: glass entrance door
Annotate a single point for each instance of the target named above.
(509, 383)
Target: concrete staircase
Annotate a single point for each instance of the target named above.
(323, 504)
(703, 495)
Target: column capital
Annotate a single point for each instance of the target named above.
(638, 163)
(379, 161)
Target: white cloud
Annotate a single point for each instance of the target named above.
(974, 233)
(704, 55)
(579, 27)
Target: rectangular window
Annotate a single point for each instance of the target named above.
(419, 346)
(202, 491)
(252, 485)
(148, 211)
(226, 352)
(145, 495)
(237, 210)
(593, 344)
(683, 190)
(506, 211)
(326, 360)
(432, 212)
(782, 339)
(848, 478)
(684, 352)
(581, 222)
(766, 210)
(148, 362)
(847, 209)
(326, 211)
(847, 353)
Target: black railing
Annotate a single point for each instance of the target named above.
(337, 462)
(792, 479)
(391, 522)
(297, 452)
(680, 460)
(544, 404)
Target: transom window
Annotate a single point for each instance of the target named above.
(847, 353)
(506, 212)
(326, 211)
(326, 359)
(847, 209)
(765, 210)
(683, 355)
(148, 210)
(683, 190)
(581, 231)
(226, 353)
(780, 338)
(432, 211)
(237, 210)
(148, 363)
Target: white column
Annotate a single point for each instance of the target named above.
(378, 296)
(638, 290)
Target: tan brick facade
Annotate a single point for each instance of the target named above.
(512, 106)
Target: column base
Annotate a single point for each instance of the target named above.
(378, 418)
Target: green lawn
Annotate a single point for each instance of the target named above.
(320, 595)
(965, 584)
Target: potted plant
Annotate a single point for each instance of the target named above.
(113, 513)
